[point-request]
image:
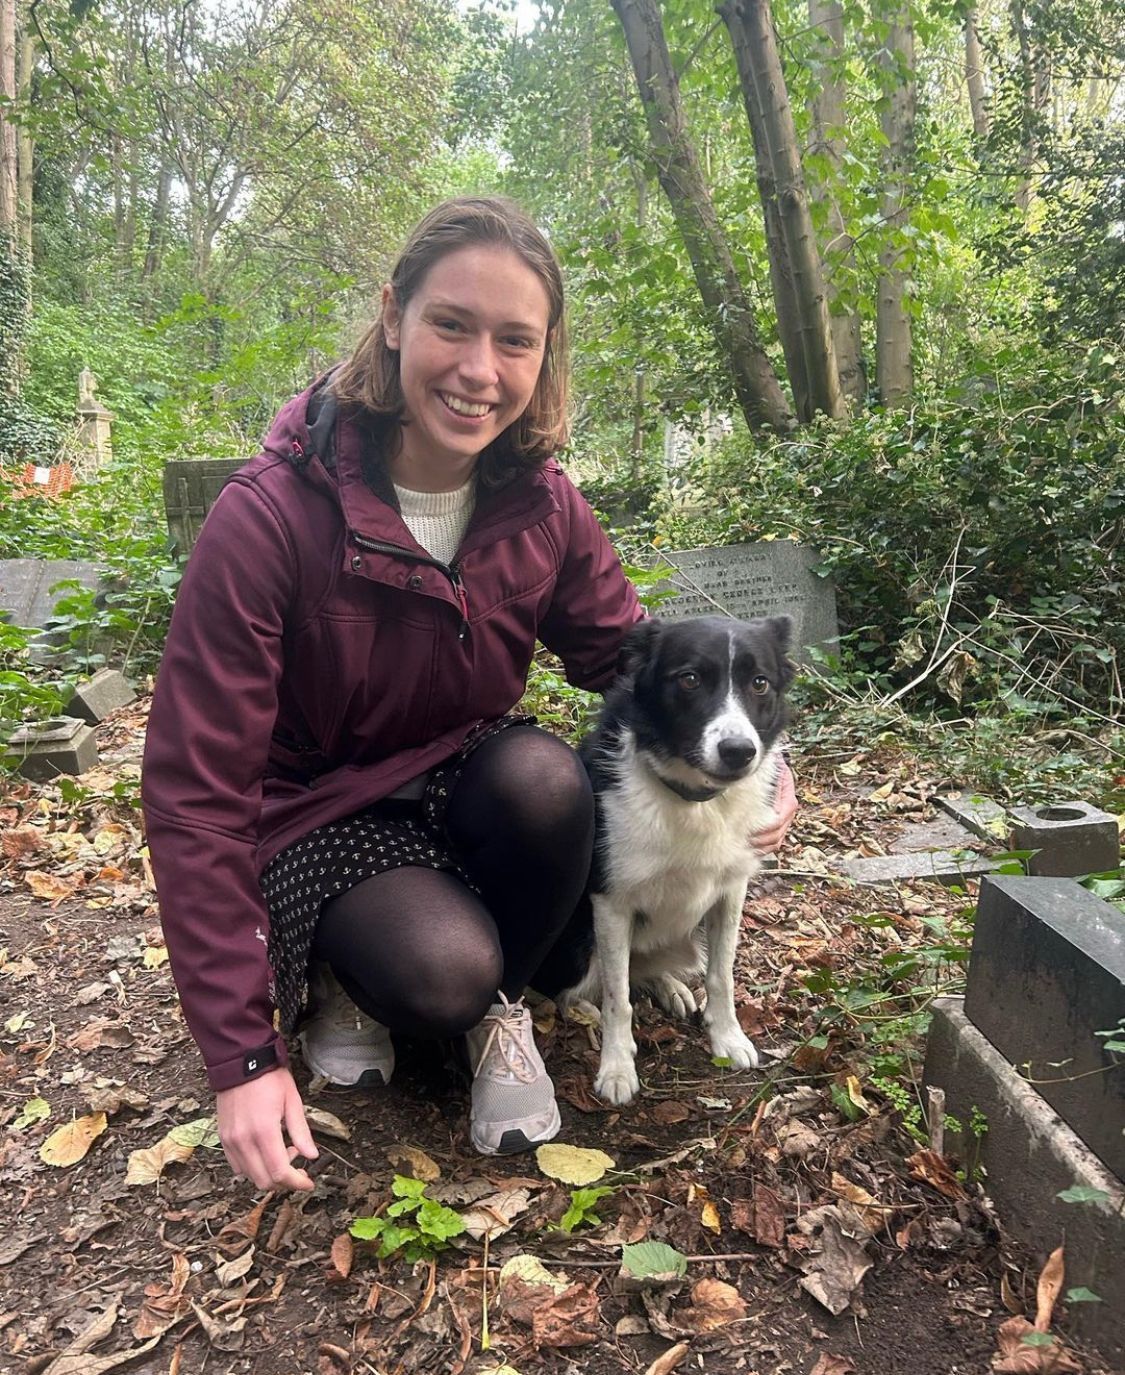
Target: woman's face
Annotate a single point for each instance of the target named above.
(471, 343)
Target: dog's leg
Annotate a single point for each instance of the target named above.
(617, 1080)
(728, 1040)
(672, 994)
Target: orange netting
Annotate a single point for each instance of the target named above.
(31, 481)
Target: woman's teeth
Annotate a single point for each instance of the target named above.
(471, 408)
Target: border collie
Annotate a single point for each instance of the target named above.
(684, 763)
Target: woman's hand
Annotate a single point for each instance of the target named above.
(785, 809)
(251, 1117)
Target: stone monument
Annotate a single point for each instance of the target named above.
(95, 445)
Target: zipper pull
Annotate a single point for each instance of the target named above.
(462, 599)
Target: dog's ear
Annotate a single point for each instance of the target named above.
(781, 628)
(637, 647)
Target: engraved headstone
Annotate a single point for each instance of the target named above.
(25, 587)
(762, 579)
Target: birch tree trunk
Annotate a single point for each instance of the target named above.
(732, 320)
(9, 180)
(766, 97)
(1035, 92)
(894, 343)
(826, 18)
(974, 77)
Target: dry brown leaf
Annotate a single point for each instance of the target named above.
(327, 1124)
(713, 1304)
(669, 1112)
(342, 1255)
(1048, 1290)
(223, 1336)
(75, 1358)
(835, 1263)
(709, 1218)
(496, 1214)
(51, 887)
(231, 1235)
(420, 1165)
(1008, 1296)
(70, 1142)
(102, 1031)
(769, 1217)
(164, 1303)
(20, 843)
(565, 1318)
(1016, 1357)
(665, 1364)
(873, 1213)
(935, 1170)
(228, 1272)
(833, 1365)
(149, 1163)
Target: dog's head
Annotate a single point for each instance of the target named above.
(707, 694)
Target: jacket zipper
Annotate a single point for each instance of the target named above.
(451, 571)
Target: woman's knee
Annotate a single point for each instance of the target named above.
(527, 782)
(449, 997)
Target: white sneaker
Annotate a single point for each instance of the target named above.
(338, 1041)
(513, 1099)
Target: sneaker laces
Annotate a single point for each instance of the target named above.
(508, 1027)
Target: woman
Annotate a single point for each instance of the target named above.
(344, 818)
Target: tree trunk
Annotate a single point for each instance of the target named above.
(156, 224)
(25, 147)
(766, 97)
(894, 366)
(755, 382)
(9, 179)
(1035, 92)
(826, 18)
(974, 77)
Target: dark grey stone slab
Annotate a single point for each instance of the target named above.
(190, 488)
(44, 750)
(982, 816)
(1069, 839)
(942, 833)
(25, 587)
(1047, 971)
(1029, 1156)
(105, 692)
(762, 579)
(952, 868)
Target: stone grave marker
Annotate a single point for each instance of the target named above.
(44, 750)
(25, 587)
(760, 579)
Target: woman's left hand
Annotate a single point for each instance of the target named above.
(785, 809)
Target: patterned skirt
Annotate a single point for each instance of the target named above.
(391, 834)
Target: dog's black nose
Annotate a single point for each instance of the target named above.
(736, 751)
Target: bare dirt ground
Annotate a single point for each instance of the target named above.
(793, 1190)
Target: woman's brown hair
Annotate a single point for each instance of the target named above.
(370, 381)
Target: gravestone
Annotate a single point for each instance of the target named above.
(190, 488)
(47, 748)
(761, 579)
(25, 587)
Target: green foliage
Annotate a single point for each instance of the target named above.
(580, 1212)
(1083, 1193)
(25, 692)
(653, 1260)
(426, 1231)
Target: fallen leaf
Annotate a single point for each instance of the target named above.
(50, 887)
(1048, 1290)
(34, 1110)
(227, 1272)
(873, 1213)
(669, 1112)
(557, 1318)
(342, 1255)
(225, 1337)
(573, 1164)
(327, 1124)
(90, 993)
(532, 1271)
(495, 1215)
(654, 1260)
(102, 1031)
(20, 842)
(709, 1218)
(835, 1263)
(69, 1143)
(149, 1163)
(164, 1303)
(665, 1364)
(833, 1365)
(714, 1303)
(155, 956)
(1018, 1357)
(769, 1217)
(419, 1164)
(934, 1170)
(201, 1131)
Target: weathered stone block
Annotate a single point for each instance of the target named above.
(950, 867)
(1069, 838)
(1047, 972)
(982, 816)
(44, 750)
(25, 587)
(1029, 1155)
(190, 488)
(105, 692)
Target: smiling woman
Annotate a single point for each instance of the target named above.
(364, 840)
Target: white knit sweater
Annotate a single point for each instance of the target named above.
(438, 520)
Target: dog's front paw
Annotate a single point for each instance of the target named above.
(674, 996)
(736, 1048)
(617, 1083)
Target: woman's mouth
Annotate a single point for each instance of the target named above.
(470, 410)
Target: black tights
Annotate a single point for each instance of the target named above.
(424, 955)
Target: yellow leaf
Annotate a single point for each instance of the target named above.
(417, 1161)
(70, 1142)
(49, 887)
(148, 1164)
(200, 1132)
(108, 837)
(710, 1218)
(34, 1110)
(881, 794)
(155, 956)
(573, 1164)
(855, 1093)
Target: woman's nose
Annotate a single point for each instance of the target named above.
(479, 361)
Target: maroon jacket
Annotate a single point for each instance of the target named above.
(318, 658)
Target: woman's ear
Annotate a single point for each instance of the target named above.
(392, 317)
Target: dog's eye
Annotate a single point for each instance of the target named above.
(760, 684)
(689, 680)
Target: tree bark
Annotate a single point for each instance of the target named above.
(974, 77)
(894, 343)
(9, 178)
(826, 18)
(25, 147)
(732, 321)
(1035, 92)
(157, 222)
(766, 97)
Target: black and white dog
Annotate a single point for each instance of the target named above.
(684, 765)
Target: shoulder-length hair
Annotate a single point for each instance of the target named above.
(370, 380)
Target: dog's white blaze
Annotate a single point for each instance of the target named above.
(731, 723)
